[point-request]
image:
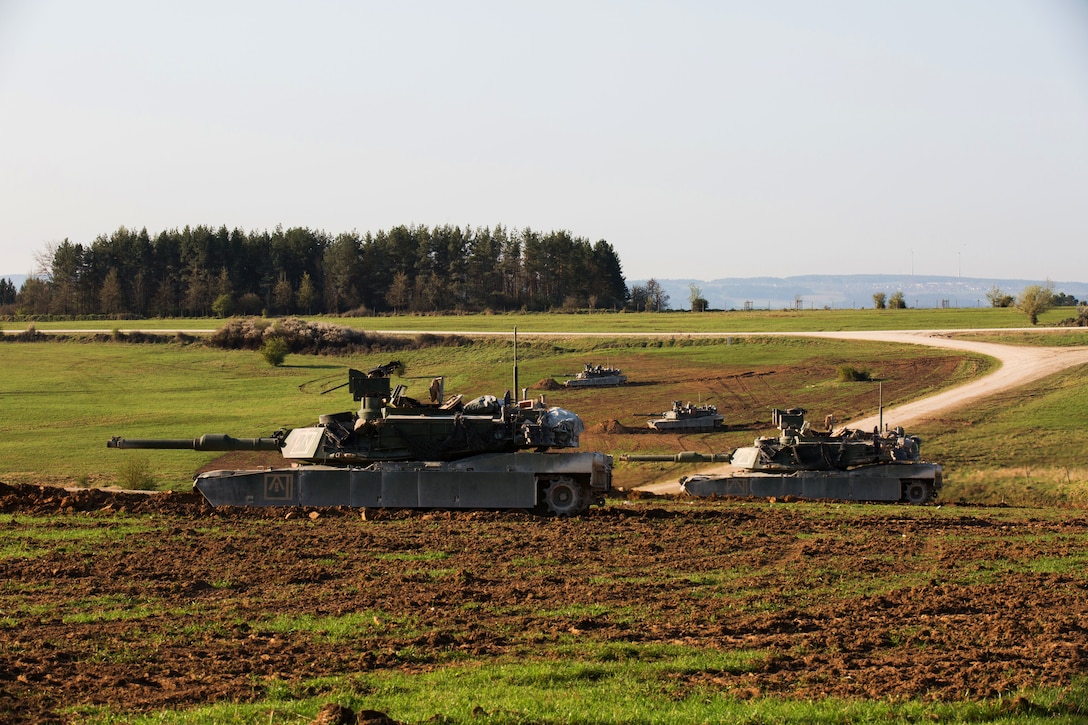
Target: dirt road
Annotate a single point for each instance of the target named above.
(1020, 365)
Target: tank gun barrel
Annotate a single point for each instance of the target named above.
(682, 457)
(208, 442)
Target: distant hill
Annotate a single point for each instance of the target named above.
(18, 279)
(846, 291)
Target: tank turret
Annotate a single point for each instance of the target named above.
(416, 446)
(390, 426)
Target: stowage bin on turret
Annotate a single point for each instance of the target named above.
(398, 452)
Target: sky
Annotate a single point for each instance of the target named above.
(702, 140)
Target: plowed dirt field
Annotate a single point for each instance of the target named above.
(148, 602)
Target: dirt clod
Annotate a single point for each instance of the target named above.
(334, 714)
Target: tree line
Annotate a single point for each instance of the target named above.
(201, 271)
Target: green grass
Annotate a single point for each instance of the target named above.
(642, 322)
(413, 556)
(713, 322)
(1028, 446)
(63, 401)
(635, 684)
(32, 536)
(109, 608)
(345, 627)
(1064, 337)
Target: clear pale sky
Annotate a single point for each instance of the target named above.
(701, 139)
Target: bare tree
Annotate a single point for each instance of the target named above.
(111, 298)
(656, 298)
(694, 295)
(399, 295)
(43, 259)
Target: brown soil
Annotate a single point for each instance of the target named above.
(980, 620)
(613, 427)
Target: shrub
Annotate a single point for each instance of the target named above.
(320, 338)
(249, 304)
(850, 374)
(246, 334)
(274, 351)
(223, 306)
(135, 474)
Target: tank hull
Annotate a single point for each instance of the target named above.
(605, 381)
(704, 424)
(565, 483)
(911, 482)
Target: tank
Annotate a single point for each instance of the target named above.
(399, 452)
(595, 376)
(846, 464)
(688, 418)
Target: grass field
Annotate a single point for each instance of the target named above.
(63, 401)
(641, 322)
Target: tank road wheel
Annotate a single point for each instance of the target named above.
(916, 492)
(565, 497)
